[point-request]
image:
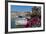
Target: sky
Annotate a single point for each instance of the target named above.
(16, 8)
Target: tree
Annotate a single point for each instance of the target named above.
(36, 11)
